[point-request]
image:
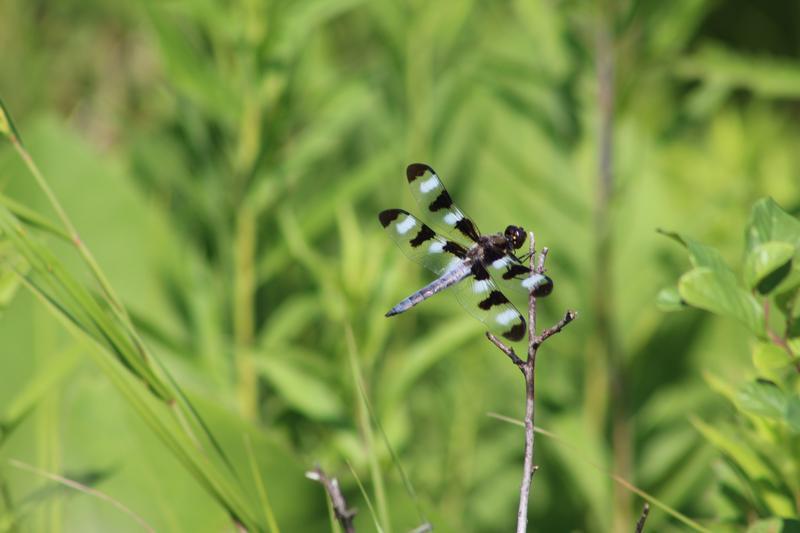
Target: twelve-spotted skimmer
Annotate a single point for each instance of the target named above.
(487, 260)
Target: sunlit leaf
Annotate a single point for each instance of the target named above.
(669, 299)
(767, 265)
(739, 452)
(718, 293)
(764, 75)
(768, 222)
(769, 358)
(763, 398)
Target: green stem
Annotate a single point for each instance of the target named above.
(243, 320)
(365, 428)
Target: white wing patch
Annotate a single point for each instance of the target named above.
(506, 317)
(404, 226)
(436, 247)
(501, 263)
(533, 281)
(482, 285)
(452, 218)
(429, 184)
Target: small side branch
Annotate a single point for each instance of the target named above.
(509, 351)
(568, 317)
(527, 367)
(344, 515)
(643, 518)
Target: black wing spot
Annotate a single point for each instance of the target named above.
(495, 298)
(517, 332)
(492, 254)
(425, 234)
(443, 201)
(388, 216)
(466, 227)
(479, 272)
(415, 170)
(515, 270)
(455, 249)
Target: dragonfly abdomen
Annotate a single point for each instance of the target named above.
(448, 279)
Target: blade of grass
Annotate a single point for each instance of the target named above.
(269, 515)
(366, 429)
(80, 487)
(395, 459)
(623, 482)
(198, 464)
(32, 218)
(367, 499)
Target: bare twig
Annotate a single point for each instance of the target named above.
(527, 367)
(568, 317)
(343, 514)
(506, 350)
(643, 518)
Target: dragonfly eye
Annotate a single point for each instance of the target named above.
(516, 235)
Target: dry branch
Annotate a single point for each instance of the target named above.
(343, 514)
(528, 367)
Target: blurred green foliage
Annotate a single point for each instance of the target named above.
(224, 161)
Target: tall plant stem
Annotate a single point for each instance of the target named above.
(528, 369)
(604, 285)
(243, 322)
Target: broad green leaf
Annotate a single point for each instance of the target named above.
(769, 359)
(700, 254)
(766, 76)
(302, 390)
(775, 525)
(763, 398)
(786, 293)
(767, 265)
(768, 222)
(668, 299)
(721, 386)
(718, 292)
(793, 413)
(733, 447)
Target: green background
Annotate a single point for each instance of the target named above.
(225, 161)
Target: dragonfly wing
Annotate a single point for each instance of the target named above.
(482, 298)
(431, 195)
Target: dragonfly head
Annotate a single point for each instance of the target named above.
(516, 236)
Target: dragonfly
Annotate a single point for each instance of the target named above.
(477, 267)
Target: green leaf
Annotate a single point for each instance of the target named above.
(775, 525)
(300, 389)
(786, 293)
(768, 222)
(793, 414)
(768, 358)
(7, 128)
(669, 299)
(761, 74)
(763, 398)
(700, 254)
(719, 293)
(767, 265)
(44, 381)
(752, 465)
